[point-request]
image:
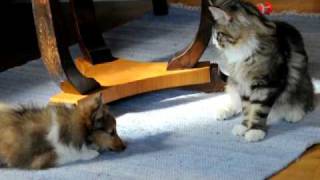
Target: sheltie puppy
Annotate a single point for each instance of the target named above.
(39, 138)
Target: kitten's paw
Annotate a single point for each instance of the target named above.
(225, 107)
(239, 130)
(254, 135)
(224, 114)
(93, 147)
(294, 116)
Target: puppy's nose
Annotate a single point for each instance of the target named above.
(118, 148)
(123, 147)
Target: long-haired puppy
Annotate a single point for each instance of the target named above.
(38, 138)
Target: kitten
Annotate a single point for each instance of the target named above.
(267, 67)
(38, 138)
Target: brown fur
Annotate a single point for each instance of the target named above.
(23, 142)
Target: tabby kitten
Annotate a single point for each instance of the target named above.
(267, 67)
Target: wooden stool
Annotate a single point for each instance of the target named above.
(99, 70)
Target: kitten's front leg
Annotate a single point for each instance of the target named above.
(256, 109)
(240, 130)
(229, 104)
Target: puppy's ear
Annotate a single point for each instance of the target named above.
(219, 15)
(97, 116)
(91, 102)
(91, 108)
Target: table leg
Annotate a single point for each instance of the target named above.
(54, 46)
(89, 35)
(160, 7)
(191, 55)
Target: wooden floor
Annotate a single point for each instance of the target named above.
(307, 167)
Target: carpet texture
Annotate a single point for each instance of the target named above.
(172, 134)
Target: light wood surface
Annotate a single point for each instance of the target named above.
(123, 78)
(307, 167)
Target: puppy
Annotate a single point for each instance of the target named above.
(39, 138)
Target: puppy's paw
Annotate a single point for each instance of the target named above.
(239, 130)
(93, 147)
(254, 135)
(2, 164)
(89, 154)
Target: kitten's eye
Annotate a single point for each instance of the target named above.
(220, 35)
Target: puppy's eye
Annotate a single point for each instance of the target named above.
(113, 132)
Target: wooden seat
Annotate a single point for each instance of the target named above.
(123, 78)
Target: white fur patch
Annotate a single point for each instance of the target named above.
(214, 40)
(254, 135)
(66, 154)
(225, 107)
(242, 51)
(239, 130)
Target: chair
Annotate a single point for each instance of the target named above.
(96, 70)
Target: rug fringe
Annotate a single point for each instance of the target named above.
(184, 6)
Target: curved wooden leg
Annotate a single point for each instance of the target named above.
(89, 36)
(53, 44)
(192, 54)
(160, 7)
(216, 84)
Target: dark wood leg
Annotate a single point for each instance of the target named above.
(216, 84)
(189, 57)
(89, 35)
(160, 7)
(54, 46)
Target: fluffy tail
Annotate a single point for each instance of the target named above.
(4, 107)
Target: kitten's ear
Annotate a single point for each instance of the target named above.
(219, 15)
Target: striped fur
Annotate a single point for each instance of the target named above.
(267, 66)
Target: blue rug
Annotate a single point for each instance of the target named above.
(172, 134)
